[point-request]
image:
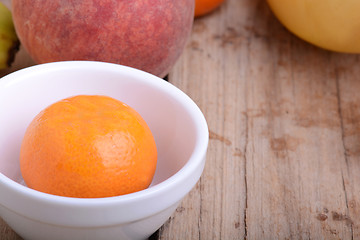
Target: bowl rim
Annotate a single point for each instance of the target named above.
(196, 159)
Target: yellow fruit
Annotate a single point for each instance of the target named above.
(329, 24)
(9, 42)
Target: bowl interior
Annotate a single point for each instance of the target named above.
(25, 93)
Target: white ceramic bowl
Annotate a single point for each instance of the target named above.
(180, 132)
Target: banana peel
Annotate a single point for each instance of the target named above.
(9, 42)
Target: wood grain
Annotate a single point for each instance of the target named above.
(284, 119)
(283, 116)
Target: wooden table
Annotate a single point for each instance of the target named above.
(284, 118)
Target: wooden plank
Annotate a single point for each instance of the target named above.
(295, 144)
(273, 101)
(213, 73)
(6, 233)
(347, 73)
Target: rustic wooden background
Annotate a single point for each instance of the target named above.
(284, 118)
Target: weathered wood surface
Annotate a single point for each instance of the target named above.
(284, 119)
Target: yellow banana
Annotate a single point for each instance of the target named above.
(9, 42)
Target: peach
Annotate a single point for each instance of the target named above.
(145, 34)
